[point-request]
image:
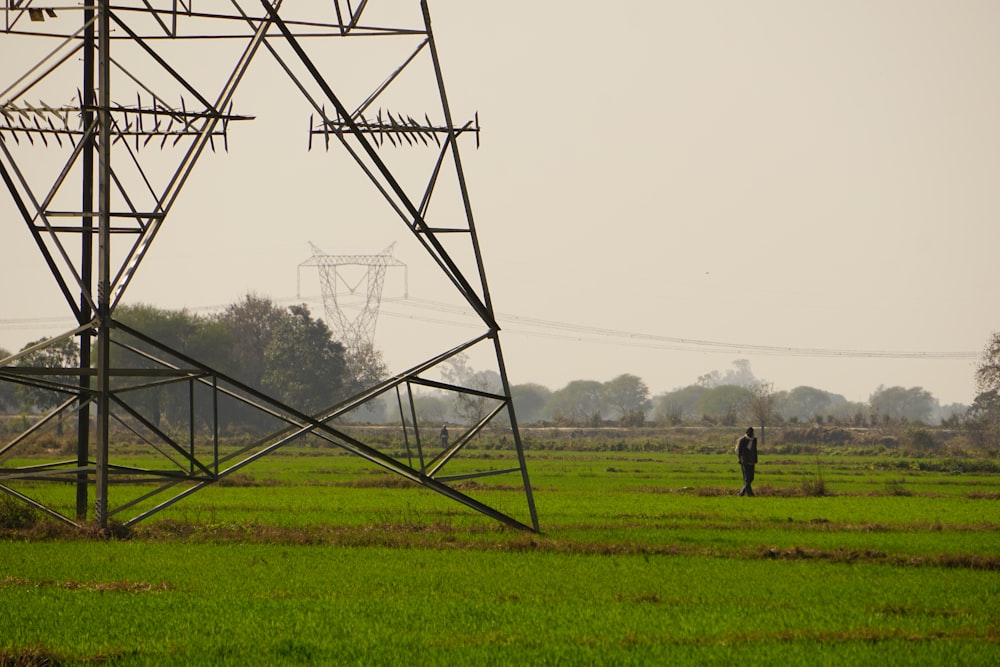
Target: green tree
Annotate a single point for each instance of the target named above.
(283, 352)
(982, 421)
(470, 408)
(529, 401)
(952, 413)
(677, 406)
(179, 330)
(579, 402)
(251, 322)
(723, 404)
(8, 394)
(898, 404)
(851, 413)
(804, 403)
(432, 410)
(626, 397)
(365, 368)
(64, 353)
(303, 366)
(988, 368)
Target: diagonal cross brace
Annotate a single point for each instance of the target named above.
(454, 273)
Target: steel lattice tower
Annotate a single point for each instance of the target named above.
(123, 113)
(356, 333)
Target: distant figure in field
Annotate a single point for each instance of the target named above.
(746, 449)
(444, 434)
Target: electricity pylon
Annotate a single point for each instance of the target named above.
(355, 332)
(126, 99)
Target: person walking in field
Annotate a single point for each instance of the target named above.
(444, 435)
(746, 450)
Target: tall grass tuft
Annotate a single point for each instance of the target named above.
(815, 486)
(897, 487)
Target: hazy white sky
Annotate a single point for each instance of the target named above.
(785, 174)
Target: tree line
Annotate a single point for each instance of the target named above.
(724, 399)
(728, 397)
(282, 352)
(288, 354)
(716, 399)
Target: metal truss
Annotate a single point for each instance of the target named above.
(357, 333)
(106, 94)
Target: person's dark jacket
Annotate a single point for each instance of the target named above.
(747, 451)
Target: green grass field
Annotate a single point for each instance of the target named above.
(644, 558)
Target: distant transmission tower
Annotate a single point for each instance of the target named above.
(123, 99)
(356, 332)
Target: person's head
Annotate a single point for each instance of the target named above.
(750, 432)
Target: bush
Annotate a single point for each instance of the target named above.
(919, 439)
(896, 487)
(16, 515)
(814, 487)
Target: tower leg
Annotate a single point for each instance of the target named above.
(104, 269)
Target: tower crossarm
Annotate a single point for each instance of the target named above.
(386, 127)
(142, 122)
(353, 260)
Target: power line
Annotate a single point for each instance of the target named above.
(637, 339)
(553, 329)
